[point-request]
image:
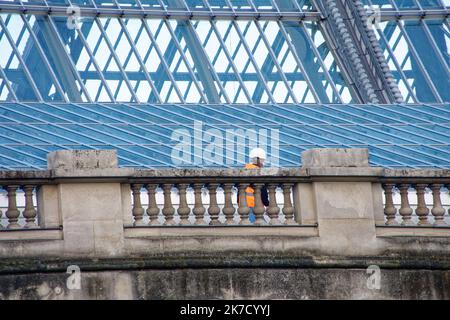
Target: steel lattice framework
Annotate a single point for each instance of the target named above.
(224, 51)
(128, 74)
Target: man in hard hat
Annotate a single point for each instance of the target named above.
(257, 158)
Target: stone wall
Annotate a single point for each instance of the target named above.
(231, 283)
(85, 219)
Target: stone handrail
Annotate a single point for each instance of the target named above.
(295, 185)
(228, 210)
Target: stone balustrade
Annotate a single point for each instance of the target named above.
(217, 197)
(222, 214)
(426, 213)
(17, 217)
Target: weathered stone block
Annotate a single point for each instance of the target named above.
(335, 157)
(304, 205)
(82, 159)
(93, 201)
(48, 206)
(344, 200)
(108, 237)
(79, 238)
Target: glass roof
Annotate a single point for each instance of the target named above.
(167, 61)
(220, 57)
(168, 135)
(408, 4)
(418, 54)
(191, 83)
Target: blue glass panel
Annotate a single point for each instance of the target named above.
(196, 4)
(432, 4)
(150, 4)
(23, 160)
(147, 135)
(441, 37)
(402, 4)
(84, 3)
(105, 3)
(13, 68)
(33, 2)
(433, 65)
(305, 5)
(379, 3)
(141, 142)
(58, 2)
(407, 61)
(8, 113)
(168, 62)
(241, 4)
(264, 5)
(174, 4)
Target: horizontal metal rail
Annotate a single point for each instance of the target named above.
(414, 14)
(213, 14)
(161, 14)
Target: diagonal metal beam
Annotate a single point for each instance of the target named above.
(60, 59)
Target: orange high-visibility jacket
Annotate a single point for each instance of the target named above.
(249, 191)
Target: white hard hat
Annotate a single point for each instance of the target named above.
(258, 153)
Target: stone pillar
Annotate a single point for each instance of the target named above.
(405, 209)
(199, 210)
(12, 213)
(138, 210)
(91, 212)
(30, 212)
(259, 209)
(389, 208)
(168, 209)
(152, 210)
(288, 209)
(183, 208)
(243, 209)
(422, 211)
(438, 211)
(213, 209)
(228, 209)
(345, 209)
(273, 210)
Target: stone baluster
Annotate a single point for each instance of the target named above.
(389, 208)
(30, 212)
(152, 210)
(438, 211)
(243, 209)
(288, 208)
(422, 211)
(259, 209)
(213, 209)
(228, 209)
(12, 213)
(199, 210)
(405, 209)
(138, 211)
(273, 210)
(183, 208)
(168, 209)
